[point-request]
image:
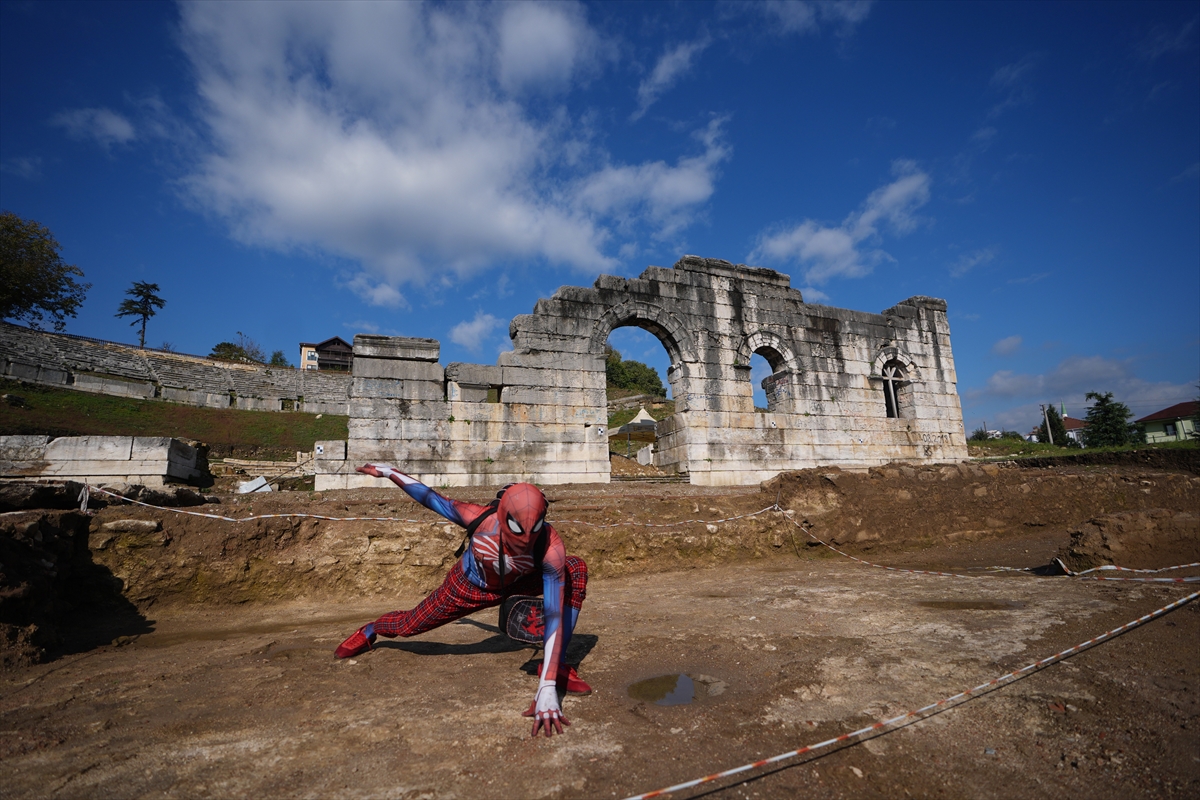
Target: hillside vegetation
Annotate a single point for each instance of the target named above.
(227, 431)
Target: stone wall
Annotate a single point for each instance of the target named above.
(540, 413)
(92, 365)
(144, 460)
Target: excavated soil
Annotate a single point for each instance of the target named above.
(192, 657)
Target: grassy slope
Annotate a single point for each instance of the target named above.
(227, 431)
(1015, 448)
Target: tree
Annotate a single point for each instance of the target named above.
(1108, 424)
(633, 375)
(244, 350)
(34, 280)
(142, 304)
(278, 359)
(1056, 427)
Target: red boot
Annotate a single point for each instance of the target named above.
(357, 643)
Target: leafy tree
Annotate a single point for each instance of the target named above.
(244, 350)
(34, 280)
(1108, 424)
(632, 375)
(142, 304)
(1056, 427)
(980, 434)
(278, 359)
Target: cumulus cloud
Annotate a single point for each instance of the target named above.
(812, 295)
(846, 251)
(102, 125)
(661, 192)
(1007, 346)
(542, 46)
(397, 136)
(1068, 383)
(474, 334)
(672, 65)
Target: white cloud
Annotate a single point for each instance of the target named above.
(812, 295)
(672, 65)
(665, 194)
(104, 126)
(1007, 346)
(1013, 81)
(543, 45)
(800, 16)
(1068, 383)
(1161, 40)
(395, 135)
(840, 251)
(27, 167)
(472, 335)
(968, 261)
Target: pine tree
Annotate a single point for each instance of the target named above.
(1108, 424)
(143, 304)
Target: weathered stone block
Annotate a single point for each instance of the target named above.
(404, 347)
(475, 374)
(365, 367)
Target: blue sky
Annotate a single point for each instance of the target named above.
(302, 171)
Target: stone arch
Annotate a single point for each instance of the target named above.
(895, 372)
(785, 369)
(893, 353)
(772, 347)
(651, 318)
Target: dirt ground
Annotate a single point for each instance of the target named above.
(217, 679)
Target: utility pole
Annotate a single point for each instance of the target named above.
(1046, 419)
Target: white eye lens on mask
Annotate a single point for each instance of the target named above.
(513, 526)
(538, 526)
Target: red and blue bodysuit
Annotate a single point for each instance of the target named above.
(512, 551)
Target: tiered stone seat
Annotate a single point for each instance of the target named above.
(27, 346)
(188, 372)
(108, 358)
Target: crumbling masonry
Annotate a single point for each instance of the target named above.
(847, 388)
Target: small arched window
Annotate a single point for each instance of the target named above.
(894, 383)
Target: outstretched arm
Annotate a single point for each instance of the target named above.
(547, 713)
(454, 510)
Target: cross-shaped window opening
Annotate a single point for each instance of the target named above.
(893, 375)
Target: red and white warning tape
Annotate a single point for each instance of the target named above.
(880, 728)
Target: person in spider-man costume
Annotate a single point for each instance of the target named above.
(512, 551)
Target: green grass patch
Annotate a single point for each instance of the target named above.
(227, 431)
(1015, 448)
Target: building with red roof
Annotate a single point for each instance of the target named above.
(1174, 424)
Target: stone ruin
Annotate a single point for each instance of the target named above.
(847, 388)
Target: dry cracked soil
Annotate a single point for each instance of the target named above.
(217, 678)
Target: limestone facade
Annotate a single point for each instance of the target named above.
(847, 388)
(144, 460)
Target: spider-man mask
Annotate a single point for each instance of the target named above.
(522, 511)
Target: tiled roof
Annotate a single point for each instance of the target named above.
(1177, 411)
(1072, 424)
